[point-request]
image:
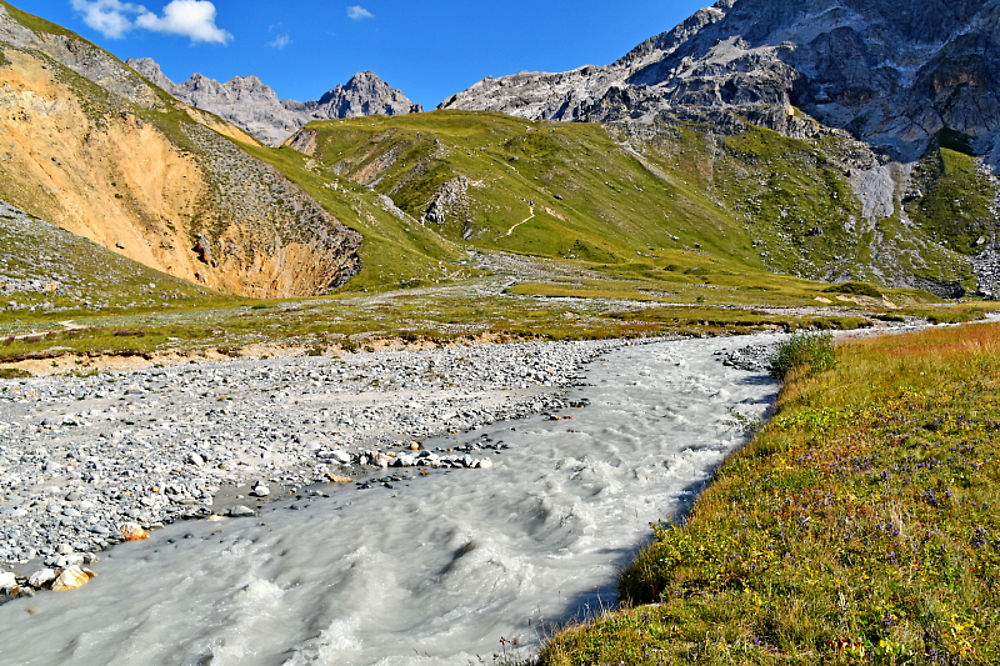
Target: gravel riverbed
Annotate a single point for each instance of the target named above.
(81, 458)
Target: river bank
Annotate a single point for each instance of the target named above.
(858, 527)
(433, 569)
(84, 456)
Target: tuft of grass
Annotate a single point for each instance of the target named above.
(14, 373)
(859, 527)
(806, 352)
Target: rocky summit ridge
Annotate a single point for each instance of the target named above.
(253, 105)
(895, 74)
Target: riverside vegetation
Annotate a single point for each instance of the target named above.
(860, 526)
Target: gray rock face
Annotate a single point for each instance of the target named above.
(82, 57)
(895, 73)
(254, 106)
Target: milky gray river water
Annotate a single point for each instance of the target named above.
(436, 572)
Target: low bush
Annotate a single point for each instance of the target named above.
(812, 351)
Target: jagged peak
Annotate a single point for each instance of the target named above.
(366, 75)
(145, 63)
(249, 102)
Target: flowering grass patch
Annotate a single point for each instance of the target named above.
(862, 526)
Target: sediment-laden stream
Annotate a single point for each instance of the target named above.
(438, 569)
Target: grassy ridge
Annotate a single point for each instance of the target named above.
(593, 200)
(744, 206)
(957, 206)
(859, 527)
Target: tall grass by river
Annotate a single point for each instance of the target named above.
(861, 526)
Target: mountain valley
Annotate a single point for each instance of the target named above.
(345, 381)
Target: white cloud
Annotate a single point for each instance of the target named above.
(111, 18)
(194, 19)
(358, 13)
(280, 41)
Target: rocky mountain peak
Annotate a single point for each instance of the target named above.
(363, 78)
(893, 73)
(253, 105)
(366, 94)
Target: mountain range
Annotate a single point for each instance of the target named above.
(895, 74)
(825, 141)
(254, 106)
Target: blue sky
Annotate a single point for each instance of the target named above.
(302, 48)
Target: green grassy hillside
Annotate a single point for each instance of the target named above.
(549, 189)
(955, 201)
(678, 199)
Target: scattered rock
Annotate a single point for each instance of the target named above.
(41, 578)
(134, 532)
(752, 358)
(72, 578)
(120, 467)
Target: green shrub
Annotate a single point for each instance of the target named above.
(14, 373)
(812, 350)
(854, 289)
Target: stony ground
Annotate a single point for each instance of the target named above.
(82, 457)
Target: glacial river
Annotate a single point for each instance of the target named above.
(444, 569)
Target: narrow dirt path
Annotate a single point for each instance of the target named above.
(524, 221)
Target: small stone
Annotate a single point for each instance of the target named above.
(41, 578)
(241, 511)
(63, 561)
(8, 581)
(71, 578)
(260, 490)
(134, 532)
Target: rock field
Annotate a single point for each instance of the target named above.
(89, 462)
